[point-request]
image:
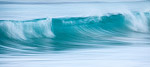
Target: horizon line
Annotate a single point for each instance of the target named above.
(7, 2)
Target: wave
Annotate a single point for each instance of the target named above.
(47, 26)
(70, 32)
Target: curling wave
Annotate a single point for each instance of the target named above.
(48, 34)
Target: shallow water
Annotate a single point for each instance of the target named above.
(75, 35)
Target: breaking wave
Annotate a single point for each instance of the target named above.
(55, 34)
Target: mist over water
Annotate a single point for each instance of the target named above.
(75, 34)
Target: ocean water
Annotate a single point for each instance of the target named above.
(81, 34)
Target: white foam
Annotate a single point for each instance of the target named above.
(24, 30)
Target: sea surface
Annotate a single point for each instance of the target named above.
(80, 34)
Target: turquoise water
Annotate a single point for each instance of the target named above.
(75, 35)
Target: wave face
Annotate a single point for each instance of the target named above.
(57, 34)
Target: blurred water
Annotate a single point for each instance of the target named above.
(75, 34)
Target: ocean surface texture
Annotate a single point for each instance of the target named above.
(75, 34)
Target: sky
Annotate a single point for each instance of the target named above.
(71, 0)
